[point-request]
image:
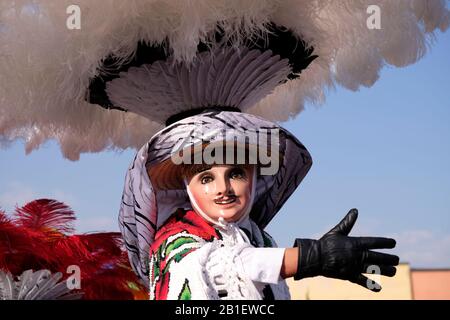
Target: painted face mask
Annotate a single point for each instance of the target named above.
(223, 193)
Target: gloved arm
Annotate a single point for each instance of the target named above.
(336, 255)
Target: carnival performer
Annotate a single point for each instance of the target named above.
(185, 81)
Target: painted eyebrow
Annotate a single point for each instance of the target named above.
(207, 169)
(203, 169)
(238, 167)
(204, 173)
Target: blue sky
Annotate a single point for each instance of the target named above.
(384, 150)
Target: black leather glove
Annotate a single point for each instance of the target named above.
(336, 255)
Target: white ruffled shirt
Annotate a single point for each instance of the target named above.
(231, 268)
(262, 265)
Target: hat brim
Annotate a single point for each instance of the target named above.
(168, 175)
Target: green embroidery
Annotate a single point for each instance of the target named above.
(158, 257)
(185, 293)
(177, 258)
(161, 251)
(267, 240)
(156, 262)
(180, 254)
(178, 242)
(165, 249)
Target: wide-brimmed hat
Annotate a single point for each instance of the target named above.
(275, 151)
(169, 174)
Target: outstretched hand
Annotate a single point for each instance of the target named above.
(337, 255)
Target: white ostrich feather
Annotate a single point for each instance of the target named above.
(45, 68)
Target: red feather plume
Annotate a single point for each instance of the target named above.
(40, 236)
(46, 215)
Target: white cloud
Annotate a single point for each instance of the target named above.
(421, 248)
(424, 248)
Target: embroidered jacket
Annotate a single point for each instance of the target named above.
(190, 259)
